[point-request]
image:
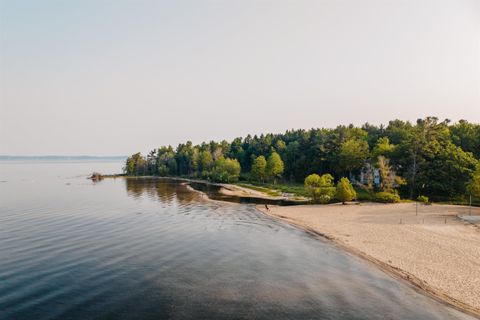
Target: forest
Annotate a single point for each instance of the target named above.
(430, 158)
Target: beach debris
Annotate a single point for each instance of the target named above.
(96, 176)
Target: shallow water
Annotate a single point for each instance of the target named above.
(151, 249)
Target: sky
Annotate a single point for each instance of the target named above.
(116, 77)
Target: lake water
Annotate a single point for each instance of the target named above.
(151, 249)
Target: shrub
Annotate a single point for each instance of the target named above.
(345, 191)
(325, 198)
(320, 188)
(423, 199)
(387, 197)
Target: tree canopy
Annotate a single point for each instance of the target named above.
(259, 169)
(473, 186)
(432, 157)
(275, 166)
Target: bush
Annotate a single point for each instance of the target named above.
(423, 199)
(387, 197)
(320, 188)
(345, 191)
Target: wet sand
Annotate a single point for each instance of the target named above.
(434, 249)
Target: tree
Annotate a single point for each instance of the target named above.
(130, 166)
(435, 158)
(259, 167)
(151, 162)
(226, 170)
(467, 136)
(473, 186)
(166, 163)
(352, 156)
(421, 144)
(383, 148)
(136, 165)
(275, 166)
(445, 173)
(205, 162)
(320, 188)
(345, 191)
(389, 180)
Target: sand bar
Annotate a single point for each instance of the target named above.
(434, 249)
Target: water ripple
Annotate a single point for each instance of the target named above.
(151, 249)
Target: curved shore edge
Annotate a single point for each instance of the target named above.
(419, 284)
(224, 188)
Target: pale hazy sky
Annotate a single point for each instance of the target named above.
(115, 77)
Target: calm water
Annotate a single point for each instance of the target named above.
(150, 249)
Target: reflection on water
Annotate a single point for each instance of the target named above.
(213, 192)
(161, 190)
(151, 249)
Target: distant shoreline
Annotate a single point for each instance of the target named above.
(60, 158)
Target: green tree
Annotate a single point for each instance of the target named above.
(388, 179)
(226, 170)
(352, 156)
(166, 163)
(467, 136)
(383, 148)
(473, 186)
(275, 166)
(205, 162)
(130, 166)
(345, 191)
(136, 165)
(445, 172)
(419, 147)
(259, 167)
(436, 158)
(320, 188)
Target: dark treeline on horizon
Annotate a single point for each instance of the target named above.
(434, 158)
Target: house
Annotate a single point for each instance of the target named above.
(369, 176)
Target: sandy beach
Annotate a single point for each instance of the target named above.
(234, 190)
(434, 249)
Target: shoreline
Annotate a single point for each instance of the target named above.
(227, 189)
(383, 263)
(291, 215)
